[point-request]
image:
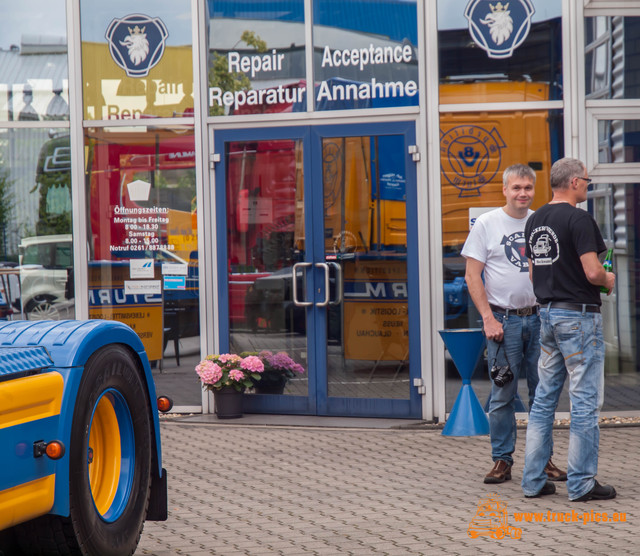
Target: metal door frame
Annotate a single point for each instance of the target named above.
(317, 401)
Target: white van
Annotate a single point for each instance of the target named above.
(44, 264)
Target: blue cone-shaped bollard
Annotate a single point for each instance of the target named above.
(467, 418)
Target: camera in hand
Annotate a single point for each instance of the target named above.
(501, 375)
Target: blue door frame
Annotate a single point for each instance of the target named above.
(318, 402)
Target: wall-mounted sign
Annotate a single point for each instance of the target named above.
(470, 156)
(352, 93)
(136, 43)
(499, 28)
(175, 282)
(141, 287)
(175, 269)
(141, 268)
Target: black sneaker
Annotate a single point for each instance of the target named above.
(548, 488)
(598, 492)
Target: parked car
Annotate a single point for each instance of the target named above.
(44, 264)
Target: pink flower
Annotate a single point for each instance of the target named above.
(229, 358)
(237, 375)
(252, 364)
(209, 372)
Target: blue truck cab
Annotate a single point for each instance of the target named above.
(79, 439)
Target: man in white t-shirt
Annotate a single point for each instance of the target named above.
(505, 299)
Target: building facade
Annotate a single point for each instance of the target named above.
(300, 176)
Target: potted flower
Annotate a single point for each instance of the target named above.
(227, 376)
(279, 368)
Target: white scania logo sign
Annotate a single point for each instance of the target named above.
(136, 43)
(499, 28)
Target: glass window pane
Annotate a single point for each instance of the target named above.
(475, 148)
(34, 82)
(618, 141)
(365, 54)
(265, 212)
(256, 57)
(612, 205)
(513, 48)
(138, 63)
(365, 223)
(611, 49)
(143, 262)
(36, 259)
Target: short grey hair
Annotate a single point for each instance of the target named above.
(518, 171)
(564, 170)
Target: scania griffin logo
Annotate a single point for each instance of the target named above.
(514, 250)
(499, 28)
(136, 43)
(470, 157)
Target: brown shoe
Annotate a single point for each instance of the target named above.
(500, 473)
(553, 473)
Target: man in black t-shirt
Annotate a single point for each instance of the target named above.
(563, 243)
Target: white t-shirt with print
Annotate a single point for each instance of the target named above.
(497, 240)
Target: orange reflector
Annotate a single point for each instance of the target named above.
(164, 404)
(55, 449)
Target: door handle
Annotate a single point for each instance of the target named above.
(294, 284)
(324, 303)
(339, 284)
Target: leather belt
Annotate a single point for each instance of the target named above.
(586, 307)
(522, 312)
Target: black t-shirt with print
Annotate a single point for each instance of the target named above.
(557, 235)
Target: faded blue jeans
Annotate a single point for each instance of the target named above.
(521, 347)
(572, 344)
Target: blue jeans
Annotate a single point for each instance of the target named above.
(572, 344)
(521, 347)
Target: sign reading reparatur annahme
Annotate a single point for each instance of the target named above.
(364, 60)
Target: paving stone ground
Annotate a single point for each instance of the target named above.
(253, 490)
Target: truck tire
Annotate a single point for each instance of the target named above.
(109, 464)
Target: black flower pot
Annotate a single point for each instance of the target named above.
(271, 384)
(228, 402)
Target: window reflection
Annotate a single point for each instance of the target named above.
(610, 44)
(365, 55)
(516, 45)
(257, 58)
(265, 238)
(36, 260)
(610, 205)
(475, 148)
(138, 64)
(33, 62)
(618, 141)
(143, 262)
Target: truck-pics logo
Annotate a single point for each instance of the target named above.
(491, 520)
(470, 157)
(136, 43)
(499, 28)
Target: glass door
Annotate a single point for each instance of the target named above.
(320, 277)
